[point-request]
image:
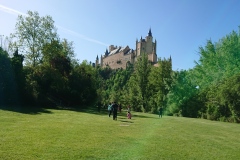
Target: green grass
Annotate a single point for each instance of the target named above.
(63, 134)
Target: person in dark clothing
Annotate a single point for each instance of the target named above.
(114, 109)
(160, 112)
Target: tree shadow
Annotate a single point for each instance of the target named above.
(125, 121)
(87, 109)
(142, 116)
(26, 109)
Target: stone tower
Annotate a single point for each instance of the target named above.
(148, 47)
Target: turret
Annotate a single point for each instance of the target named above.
(150, 33)
(106, 53)
(97, 61)
(101, 64)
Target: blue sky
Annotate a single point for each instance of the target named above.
(179, 26)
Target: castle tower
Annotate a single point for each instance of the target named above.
(97, 61)
(147, 46)
(149, 43)
(106, 53)
(101, 64)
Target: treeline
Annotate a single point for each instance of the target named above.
(211, 89)
(42, 71)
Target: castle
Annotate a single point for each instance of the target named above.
(119, 57)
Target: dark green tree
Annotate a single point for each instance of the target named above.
(160, 80)
(137, 86)
(17, 66)
(8, 86)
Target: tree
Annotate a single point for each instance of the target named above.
(32, 32)
(83, 84)
(139, 82)
(182, 98)
(52, 75)
(216, 64)
(57, 56)
(8, 87)
(159, 84)
(17, 66)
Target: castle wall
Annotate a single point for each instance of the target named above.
(138, 49)
(152, 57)
(118, 60)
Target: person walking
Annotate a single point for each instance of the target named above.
(109, 109)
(129, 116)
(160, 112)
(114, 109)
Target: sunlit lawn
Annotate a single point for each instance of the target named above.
(63, 134)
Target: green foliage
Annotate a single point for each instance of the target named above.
(218, 61)
(55, 55)
(138, 84)
(83, 84)
(17, 66)
(32, 32)
(112, 84)
(217, 66)
(8, 91)
(182, 97)
(228, 96)
(160, 80)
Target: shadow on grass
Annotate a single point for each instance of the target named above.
(142, 116)
(126, 121)
(90, 110)
(26, 110)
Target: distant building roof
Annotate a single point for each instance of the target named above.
(117, 50)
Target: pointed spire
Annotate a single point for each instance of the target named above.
(97, 57)
(141, 38)
(106, 52)
(149, 32)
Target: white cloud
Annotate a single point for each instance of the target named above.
(81, 36)
(11, 11)
(16, 12)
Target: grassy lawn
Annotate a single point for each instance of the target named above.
(63, 134)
